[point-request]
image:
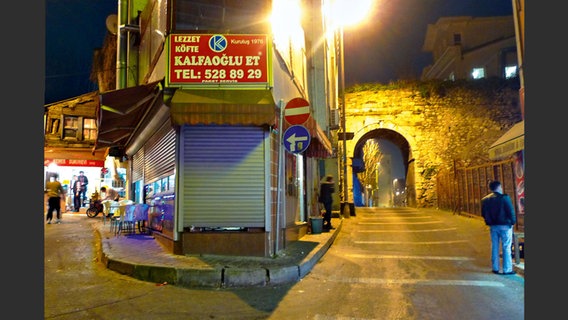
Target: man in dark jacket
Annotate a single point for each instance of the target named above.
(327, 188)
(499, 214)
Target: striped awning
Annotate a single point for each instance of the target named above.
(223, 106)
(512, 141)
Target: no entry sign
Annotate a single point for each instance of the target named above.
(297, 111)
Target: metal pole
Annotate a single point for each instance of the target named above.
(345, 204)
(280, 177)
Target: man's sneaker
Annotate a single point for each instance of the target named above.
(58, 221)
(49, 222)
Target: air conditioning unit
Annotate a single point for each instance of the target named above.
(334, 119)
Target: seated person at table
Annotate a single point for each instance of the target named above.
(110, 194)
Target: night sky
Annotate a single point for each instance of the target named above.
(385, 47)
(74, 29)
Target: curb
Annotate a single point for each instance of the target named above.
(214, 278)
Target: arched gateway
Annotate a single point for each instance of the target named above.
(401, 139)
(434, 125)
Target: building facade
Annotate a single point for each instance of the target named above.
(468, 48)
(200, 117)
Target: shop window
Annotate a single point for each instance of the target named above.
(171, 183)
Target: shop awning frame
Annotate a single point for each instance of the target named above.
(509, 143)
(121, 112)
(223, 107)
(74, 156)
(239, 107)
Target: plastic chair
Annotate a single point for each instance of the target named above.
(107, 206)
(127, 221)
(117, 219)
(141, 217)
(116, 213)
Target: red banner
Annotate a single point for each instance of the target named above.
(217, 59)
(74, 162)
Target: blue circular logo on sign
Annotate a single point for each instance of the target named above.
(218, 43)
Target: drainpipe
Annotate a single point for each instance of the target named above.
(121, 44)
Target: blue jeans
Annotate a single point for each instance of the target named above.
(501, 238)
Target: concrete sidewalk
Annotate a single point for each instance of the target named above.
(142, 257)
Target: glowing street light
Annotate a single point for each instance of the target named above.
(345, 13)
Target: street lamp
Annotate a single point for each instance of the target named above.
(345, 196)
(344, 14)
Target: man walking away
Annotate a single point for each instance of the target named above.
(54, 191)
(325, 197)
(499, 214)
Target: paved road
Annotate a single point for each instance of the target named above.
(77, 286)
(406, 264)
(384, 264)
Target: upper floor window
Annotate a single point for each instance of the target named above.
(222, 16)
(89, 129)
(510, 72)
(457, 39)
(70, 127)
(75, 128)
(478, 73)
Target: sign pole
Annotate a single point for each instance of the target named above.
(280, 175)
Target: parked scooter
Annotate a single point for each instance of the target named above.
(95, 206)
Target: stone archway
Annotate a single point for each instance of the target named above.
(388, 131)
(442, 124)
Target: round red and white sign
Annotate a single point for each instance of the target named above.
(297, 111)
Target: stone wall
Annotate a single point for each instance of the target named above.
(443, 122)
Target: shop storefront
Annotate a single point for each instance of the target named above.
(67, 170)
(97, 167)
(512, 145)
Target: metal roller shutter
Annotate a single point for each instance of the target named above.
(159, 154)
(223, 176)
(138, 165)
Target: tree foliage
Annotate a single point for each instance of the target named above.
(372, 155)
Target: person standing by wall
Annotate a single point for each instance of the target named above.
(76, 189)
(54, 191)
(327, 188)
(84, 183)
(499, 214)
